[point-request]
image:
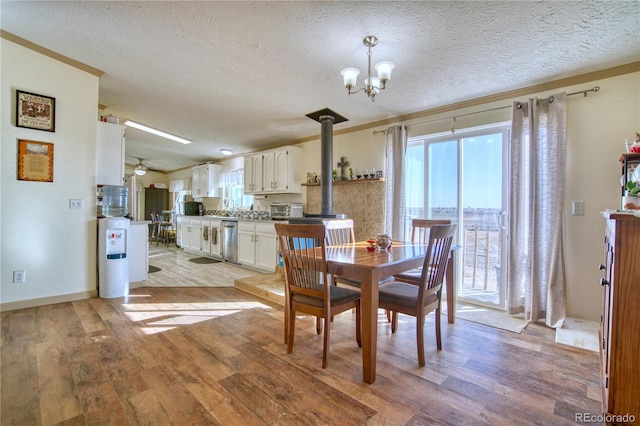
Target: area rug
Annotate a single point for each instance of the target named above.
(490, 317)
(579, 333)
(153, 269)
(203, 260)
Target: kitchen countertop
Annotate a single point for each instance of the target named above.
(239, 219)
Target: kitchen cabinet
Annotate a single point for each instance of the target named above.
(210, 235)
(246, 243)
(110, 140)
(257, 245)
(179, 222)
(253, 174)
(195, 234)
(138, 248)
(274, 171)
(215, 237)
(620, 319)
(204, 180)
(191, 234)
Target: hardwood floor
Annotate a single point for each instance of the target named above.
(208, 356)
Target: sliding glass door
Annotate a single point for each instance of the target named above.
(462, 177)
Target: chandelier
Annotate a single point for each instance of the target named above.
(372, 85)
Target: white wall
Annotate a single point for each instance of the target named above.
(38, 232)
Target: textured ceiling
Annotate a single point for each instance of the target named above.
(242, 75)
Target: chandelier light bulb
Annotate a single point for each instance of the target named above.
(350, 76)
(384, 69)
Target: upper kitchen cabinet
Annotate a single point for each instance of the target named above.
(110, 154)
(253, 174)
(204, 182)
(274, 171)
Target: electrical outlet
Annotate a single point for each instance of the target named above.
(75, 204)
(19, 277)
(577, 208)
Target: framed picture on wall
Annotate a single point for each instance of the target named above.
(35, 111)
(35, 161)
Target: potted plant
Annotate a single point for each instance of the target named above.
(631, 201)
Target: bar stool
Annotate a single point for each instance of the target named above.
(165, 229)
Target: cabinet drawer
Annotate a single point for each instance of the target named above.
(265, 228)
(246, 226)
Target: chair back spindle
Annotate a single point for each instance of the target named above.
(339, 231)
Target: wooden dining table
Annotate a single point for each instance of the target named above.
(369, 267)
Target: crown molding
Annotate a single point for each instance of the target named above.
(50, 53)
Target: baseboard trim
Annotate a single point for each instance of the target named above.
(32, 303)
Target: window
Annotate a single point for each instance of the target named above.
(462, 177)
(232, 189)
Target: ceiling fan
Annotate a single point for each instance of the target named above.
(140, 169)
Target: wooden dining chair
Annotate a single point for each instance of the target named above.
(305, 266)
(419, 234)
(340, 231)
(418, 299)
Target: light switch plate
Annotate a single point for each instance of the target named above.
(75, 204)
(577, 208)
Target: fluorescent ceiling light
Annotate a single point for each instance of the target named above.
(226, 151)
(156, 132)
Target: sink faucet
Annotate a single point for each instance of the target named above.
(229, 204)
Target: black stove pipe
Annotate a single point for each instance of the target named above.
(327, 118)
(326, 166)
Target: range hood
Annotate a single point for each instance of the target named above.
(327, 118)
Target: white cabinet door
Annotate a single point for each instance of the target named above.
(281, 171)
(266, 246)
(185, 236)
(212, 176)
(110, 154)
(269, 171)
(248, 174)
(205, 236)
(253, 182)
(214, 238)
(195, 182)
(246, 243)
(138, 247)
(179, 229)
(195, 234)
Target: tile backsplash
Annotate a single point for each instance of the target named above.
(361, 201)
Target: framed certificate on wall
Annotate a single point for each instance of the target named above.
(35, 161)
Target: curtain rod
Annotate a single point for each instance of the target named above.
(453, 118)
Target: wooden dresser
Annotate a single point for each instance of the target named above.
(620, 319)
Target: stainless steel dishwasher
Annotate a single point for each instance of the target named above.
(230, 241)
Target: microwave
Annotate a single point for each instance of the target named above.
(192, 208)
(285, 210)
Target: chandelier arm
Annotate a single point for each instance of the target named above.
(359, 90)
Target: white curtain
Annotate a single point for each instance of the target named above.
(231, 178)
(396, 149)
(536, 274)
